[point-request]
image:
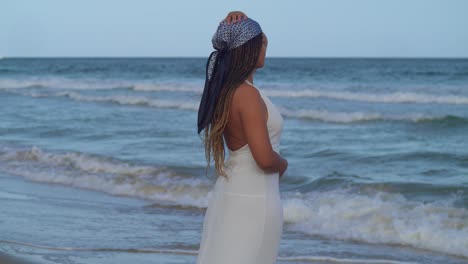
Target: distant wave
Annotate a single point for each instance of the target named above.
(154, 87)
(192, 87)
(97, 84)
(397, 97)
(123, 100)
(353, 117)
(63, 83)
(320, 115)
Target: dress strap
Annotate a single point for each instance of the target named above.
(247, 81)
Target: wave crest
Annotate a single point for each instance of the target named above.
(111, 176)
(380, 218)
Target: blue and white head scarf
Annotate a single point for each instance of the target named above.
(226, 38)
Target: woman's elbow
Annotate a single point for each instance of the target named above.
(267, 163)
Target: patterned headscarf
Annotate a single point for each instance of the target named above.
(226, 38)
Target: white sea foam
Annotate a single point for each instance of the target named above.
(128, 100)
(99, 84)
(63, 83)
(106, 175)
(194, 87)
(397, 97)
(351, 117)
(380, 218)
(320, 115)
(376, 218)
(166, 87)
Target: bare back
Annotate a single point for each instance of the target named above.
(234, 131)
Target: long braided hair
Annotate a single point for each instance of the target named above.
(243, 60)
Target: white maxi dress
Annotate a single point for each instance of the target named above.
(244, 219)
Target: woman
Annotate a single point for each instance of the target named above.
(244, 219)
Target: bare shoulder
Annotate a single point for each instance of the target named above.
(249, 103)
(247, 94)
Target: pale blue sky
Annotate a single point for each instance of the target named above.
(183, 28)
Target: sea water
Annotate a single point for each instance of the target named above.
(100, 161)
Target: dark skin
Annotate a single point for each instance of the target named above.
(247, 121)
(234, 17)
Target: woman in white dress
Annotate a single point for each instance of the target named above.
(244, 219)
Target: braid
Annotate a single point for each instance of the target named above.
(243, 61)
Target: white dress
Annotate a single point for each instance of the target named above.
(243, 223)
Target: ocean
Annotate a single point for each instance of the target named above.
(100, 161)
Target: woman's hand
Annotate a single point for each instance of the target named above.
(234, 16)
(284, 167)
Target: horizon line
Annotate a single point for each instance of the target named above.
(200, 57)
